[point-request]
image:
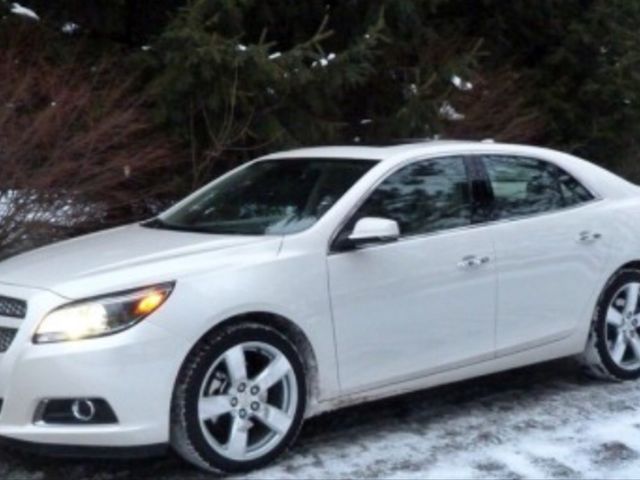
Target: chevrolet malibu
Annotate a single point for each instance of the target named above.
(313, 279)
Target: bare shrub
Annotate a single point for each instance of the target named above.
(77, 149)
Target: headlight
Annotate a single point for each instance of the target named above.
(99, 316)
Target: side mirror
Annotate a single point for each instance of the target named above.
(373, 230)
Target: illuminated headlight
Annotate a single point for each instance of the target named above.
(99, 316)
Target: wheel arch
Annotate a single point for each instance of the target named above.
(284, 326)
(633, 264)
(593, 359)
(591, 308)
(630, 265)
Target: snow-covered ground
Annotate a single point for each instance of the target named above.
(540, 422)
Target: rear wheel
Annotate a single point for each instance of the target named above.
(613, 350)
(239, 400)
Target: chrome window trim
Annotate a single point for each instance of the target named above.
(330, 251)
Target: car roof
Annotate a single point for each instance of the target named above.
(368, 152)
(402, 151)
(596, 178)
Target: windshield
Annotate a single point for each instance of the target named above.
(270, 197)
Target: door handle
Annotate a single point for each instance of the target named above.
(589, 237)
(472, 261)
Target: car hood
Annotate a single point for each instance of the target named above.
(129, 257)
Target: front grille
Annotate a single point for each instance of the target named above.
(6, 337)
(12, 307)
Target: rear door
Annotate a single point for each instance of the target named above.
(549, 249)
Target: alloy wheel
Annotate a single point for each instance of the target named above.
(247, 401)
(623, 327)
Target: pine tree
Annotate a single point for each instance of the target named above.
(234, 78)
(232, 84)
(577, 64)
(237, 75)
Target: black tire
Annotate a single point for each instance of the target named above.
(187, 437)
(596, 360)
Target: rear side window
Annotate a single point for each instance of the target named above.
(526, 186)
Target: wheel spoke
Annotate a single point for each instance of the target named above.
(631, 305)
(210, 407)
(236, 364)
(614, 317)
(237, 445)
(250, 393)
(634, 343)
(619, 348)
(275, 419)
(273, 373)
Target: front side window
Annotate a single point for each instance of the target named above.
(526, 186)
(422, 197)
(270, 197)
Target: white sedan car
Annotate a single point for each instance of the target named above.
(312, 279)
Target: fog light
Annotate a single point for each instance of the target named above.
(83, 410)
(74, 411)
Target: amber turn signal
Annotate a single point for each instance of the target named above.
(150, 302)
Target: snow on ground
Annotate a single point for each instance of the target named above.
(540, 422)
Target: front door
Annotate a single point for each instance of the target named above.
(425, 303)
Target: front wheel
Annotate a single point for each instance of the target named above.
(613, 349)
(239, 399)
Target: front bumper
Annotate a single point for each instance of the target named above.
(134, 371)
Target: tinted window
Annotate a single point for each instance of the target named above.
(423, 197)
(268, 197)
(573, 192)
(524, 186)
